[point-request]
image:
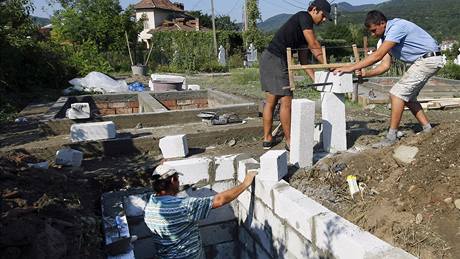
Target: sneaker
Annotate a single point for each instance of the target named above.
(268, 144)
(384, 143)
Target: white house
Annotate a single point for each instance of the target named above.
(154, 12)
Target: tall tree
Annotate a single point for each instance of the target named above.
(253, 34)
(100, 21)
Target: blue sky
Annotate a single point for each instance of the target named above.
(233, 8)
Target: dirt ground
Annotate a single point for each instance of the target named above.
(408, 205)
(56, 213)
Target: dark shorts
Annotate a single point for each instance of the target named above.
(274, 74)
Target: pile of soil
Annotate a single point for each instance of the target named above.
(409, 205)
(56, 213)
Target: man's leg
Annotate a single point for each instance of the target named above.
(419, 114)
(285, 117)
(270, 103)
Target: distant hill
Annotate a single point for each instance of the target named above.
(274, 23)
(441, 18)
(346, 7)
(40, 21)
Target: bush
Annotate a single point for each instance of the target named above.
(235, 61)
(87, 58)
(191, 51)
(451, 71)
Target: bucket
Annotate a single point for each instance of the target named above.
(139, 70)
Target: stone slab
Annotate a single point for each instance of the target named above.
(302, 133)
(334, 122)
(339, 83)
(92, 131)
(273, 165)
(174, 146)
(194, 170)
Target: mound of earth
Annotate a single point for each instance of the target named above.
(410, 205)
(56, 213)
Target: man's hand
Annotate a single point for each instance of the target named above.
(250, 177)
(342, 70)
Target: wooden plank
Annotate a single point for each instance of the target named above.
(290, 70)
(355, 86)
(323, 49)
(319, 66)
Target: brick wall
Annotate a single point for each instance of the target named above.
(185, 104)
(107, 107)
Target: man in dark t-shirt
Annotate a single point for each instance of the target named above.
(296, 33)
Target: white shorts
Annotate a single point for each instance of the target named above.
(412, 82)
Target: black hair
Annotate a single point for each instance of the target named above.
(159, 184)
(374, 17)
(310, 8)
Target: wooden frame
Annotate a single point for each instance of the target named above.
(292, 67)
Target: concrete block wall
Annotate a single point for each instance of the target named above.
(278, 221)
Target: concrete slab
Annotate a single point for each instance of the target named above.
(69, 157)
(273, 165)
(175, 146)
(302, 132)
(334, 122)
(225, 168)
(338, 83)
(194, 170)
(93, 131)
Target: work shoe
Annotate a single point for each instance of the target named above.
(272, 143)
(386, 142)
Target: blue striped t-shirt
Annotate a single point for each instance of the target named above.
(173, 221)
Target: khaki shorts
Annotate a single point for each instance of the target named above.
(412, 82)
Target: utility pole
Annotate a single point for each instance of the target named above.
(214, 27)
(246, 15)
(335, 14)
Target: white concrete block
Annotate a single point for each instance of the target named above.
(225, 167)
(334, 122)
(346, 240)
(78, 111)
(218, 233)
(273, 165)
(246, 240)
(297, 246)
(174, 146)
(93, 131)
(302, 133)
(244, 165)
(194, 87)
(193, 169)
(273, 225)
(296, 208)
(264, 190)
(340, 83)
(317, 133)
(69, 157)
(244, 200)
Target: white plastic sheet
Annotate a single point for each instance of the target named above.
(99, 82)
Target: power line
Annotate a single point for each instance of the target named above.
(276, 5)
(291, 4)
(195, 5)
(233, 8)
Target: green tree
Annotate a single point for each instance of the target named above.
(223, 22)
(100, 21)
(253, 34)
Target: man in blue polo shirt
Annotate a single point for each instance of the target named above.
(409, 43)
(174, 220)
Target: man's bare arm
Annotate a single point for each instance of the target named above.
(378, 55)
(313, 45)
(380, 69)
(227, 196)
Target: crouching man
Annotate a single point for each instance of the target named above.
(173, 220)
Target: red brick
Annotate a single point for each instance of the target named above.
(169, 103)
(102, 105)
(135, 110)
(184, 102)
(124, 110)
(200, 101)
(117, 105)
(133, 104)
(107, 111)
(205, 105)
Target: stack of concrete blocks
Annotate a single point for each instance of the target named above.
(93, 131)
(333, 108)
(78, 111)
(302, 132)
(174, 146)
(69, 157)
(278, 221)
